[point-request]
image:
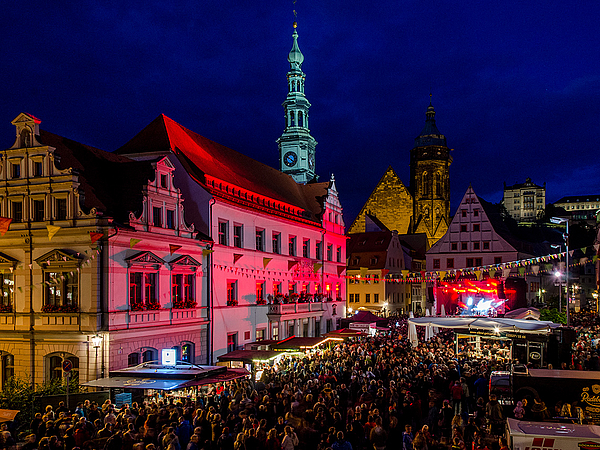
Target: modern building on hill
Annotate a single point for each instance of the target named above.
(525, 202)
(423, 207)
(580, 207)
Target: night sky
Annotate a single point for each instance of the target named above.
(515, 84)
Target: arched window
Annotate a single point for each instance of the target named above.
(25, 138)
(8, 368)
(133, 359)
(54, 365)
(438, 184)
(300, 119)
(292, 119)
(187, 352)
(426, 183)
(149, 354)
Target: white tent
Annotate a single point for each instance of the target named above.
(486, 323)
(412, 330)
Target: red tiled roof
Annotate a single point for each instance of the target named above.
(204, 159)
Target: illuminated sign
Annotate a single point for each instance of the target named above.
(169, 357)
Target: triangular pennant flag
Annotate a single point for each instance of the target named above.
(478, 273)
(505, 273)
(340, 270)
(492, 272)
(291, 264)
(442, 274)
(173, 248)
(94, 236)
(404, 273)
(316, 267)
(597, 246)
(571, 252)
(384, 272)
(206, 252)
(266, 262)
(236, 257)
(535, 269)
(52, 230)
(134, 241)
(4, 223)
(521, 270)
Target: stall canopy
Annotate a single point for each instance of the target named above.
(346, 333)
(364, 316)
(249, 355)
(523, 313)
(487, 323)
(294, 343)
(137, 383)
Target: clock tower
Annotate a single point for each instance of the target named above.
(296, 145)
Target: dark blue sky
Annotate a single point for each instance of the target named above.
(516, 84)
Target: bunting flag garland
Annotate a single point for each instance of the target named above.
(52, 230)
(291, 264)
(266, 262)
(404, 273)
(236, 257)
(4, 223)
(173, 248)
(535, 269)
(133, 242)
(384, 272)
(596, 247)
(340, 270)
(206, 252)
(94, 236)
(316, 267)
(505, 273)
(478, 273)
(442, 274)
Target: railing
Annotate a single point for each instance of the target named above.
(291, 308)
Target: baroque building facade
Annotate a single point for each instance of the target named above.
(525, 202)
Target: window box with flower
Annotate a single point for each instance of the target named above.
(60, 308)
(5, 308)
(184, 304)
(261, 301)
(232, 302)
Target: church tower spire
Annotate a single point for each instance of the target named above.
(430, 180)
(296, 145)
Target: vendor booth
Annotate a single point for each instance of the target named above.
(159, 380)
(520, 340)
(254, 361)
(295, 344)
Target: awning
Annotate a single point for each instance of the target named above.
(231, 374)
(162, 384)
(486, 323)
(6, 415)
(294, 343)
(249, 355)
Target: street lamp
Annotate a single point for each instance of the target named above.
(96, 344)
(559, 220)
(558, 276)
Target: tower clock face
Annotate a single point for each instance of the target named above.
(289, 159)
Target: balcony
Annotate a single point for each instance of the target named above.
(293, 308)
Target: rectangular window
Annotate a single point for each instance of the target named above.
(338, 255)
(319, 250)
(15, 170)
(463, 213)
(486, 245)
(223, 229)
(292, 245)
(231, 342)
(38, 210)
(171, 219)
(475, 245)
(276, 288)
(356, 298)
(455, 246)
(306, 248)
(478, 262)
(163, 180)
(260, 334)
(37, 169)
(450, 263)
(61, 208)
(17, 211)
(232, 293)
(329, 252)
(375, 279)
(476, 213)
(350, 298)
(436, 263)
(291, 287)
(246, 335)
(463, 228)
(469, 262)
(463, 245)
(475, 227)
(61, 289)
(150, 288)
(7, 288)
(238, 236)
(277, 243)
(182, 290)
(260, 292)
(497, 259)
(157, 216)
(375, 298)
(260, 240)
(367, 298)
(135, 290)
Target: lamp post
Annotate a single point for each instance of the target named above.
(559, 220)
(96, 343)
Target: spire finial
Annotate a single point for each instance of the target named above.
(430, 95)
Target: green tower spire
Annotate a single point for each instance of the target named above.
(296, 145)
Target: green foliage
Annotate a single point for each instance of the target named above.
(553, 315)
(18, 394)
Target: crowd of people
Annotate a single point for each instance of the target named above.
(366, 393)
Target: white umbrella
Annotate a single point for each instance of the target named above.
(443, 311)
(428, 329)
(412, 331)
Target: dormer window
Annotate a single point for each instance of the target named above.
(163, 180)
(37, 169)
(157, 216)
(25, 138)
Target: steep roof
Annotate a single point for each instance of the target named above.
(115, 194)
(205, 158)
(371, 249)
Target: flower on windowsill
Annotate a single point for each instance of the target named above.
(60, 308)
(151, 306)
(294, 297)
(232, 302)
(338, 299)
(137, 306)
(5, 308)
(184, 304)
(261, 301)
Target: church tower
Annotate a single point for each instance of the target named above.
(429, 181)
(296, 145)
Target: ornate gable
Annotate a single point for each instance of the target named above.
(144, 259)
(185, 262)
(7, 262)
(27, 128)
(59, 259)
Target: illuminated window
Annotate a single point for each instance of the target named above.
(260, 291)
(231, 342)
(8, 368)
(306, 248)
(276, 288)
(182, 290)
(260, 334)
(223, 232)
(7, 290)
(319, 250)
(238, 236)
(142, 290)
(61, 290)
(276, 243)
(232, 293)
